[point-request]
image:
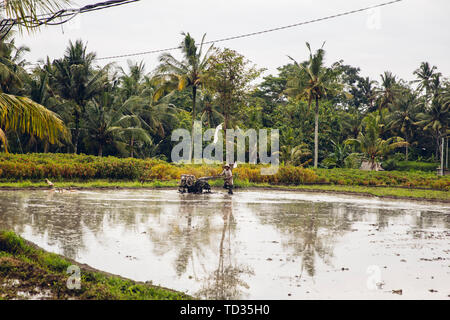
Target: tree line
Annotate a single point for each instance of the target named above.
(328, 115)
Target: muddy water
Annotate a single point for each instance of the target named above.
(253, 245)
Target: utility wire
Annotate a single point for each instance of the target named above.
(57, 18)
(255, 33)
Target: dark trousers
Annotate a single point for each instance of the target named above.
(229, 187)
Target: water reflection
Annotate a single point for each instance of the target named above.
(251, 245)
(225, 282)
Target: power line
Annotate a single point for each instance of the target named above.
(57, 18)
(256, 33)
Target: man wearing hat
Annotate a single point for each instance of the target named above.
(228, 174)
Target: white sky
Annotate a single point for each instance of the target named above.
(405, 34)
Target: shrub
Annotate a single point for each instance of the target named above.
(393, 164)
(353, 161)
(414, 165)
(81, 167)
(390, 164)
(399, 156)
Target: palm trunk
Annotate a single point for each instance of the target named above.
(209, 119)
(437, 146)
(100, 151)
(46, 145)
(446, 158)
(194, 97)
(316, 134)
(229, 145)
(77, 132)
(132, 147)
(225, 119)
(406, 148)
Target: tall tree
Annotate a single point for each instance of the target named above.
(312, 82)
(425, 74)
(108, 123)
(387, 92)
(403, 117)
(436, 118)
(132, 81)
(190, 72)
(19, 113)
(229, 77)
(77, 82)
(368, 90)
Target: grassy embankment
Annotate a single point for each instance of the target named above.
(30, 272)
(81, 171)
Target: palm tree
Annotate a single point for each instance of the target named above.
(108, 124)
(77, 82)
(372, 146)
(155, 116)
(312, 81)
(424, 75)
(367, 88)
(293, 152)
(351, 122)
(387, 93)
(436, 118)
(138, 90)
(337, 157)
(295, 155)
(132, 83)
(189, 73)
(19, 113)
(403, 117)
(12, 72)
(210, 110)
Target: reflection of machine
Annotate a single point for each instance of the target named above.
(189, 184)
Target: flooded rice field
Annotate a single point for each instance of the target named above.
(252, 245)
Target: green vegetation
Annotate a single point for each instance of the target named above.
(132, 113)
(410, 166)
(26, 269)
(82, 171)
(68, 167)
(412, 179)
(128, 115)
(391, 192)
(380, 191)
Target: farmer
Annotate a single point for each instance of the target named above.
(228, 178)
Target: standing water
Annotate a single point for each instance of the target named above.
(252, 245)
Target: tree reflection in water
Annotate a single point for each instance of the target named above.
(64, 219)
(225, 282)
(309, 230)
(187, 232)
(198, 234)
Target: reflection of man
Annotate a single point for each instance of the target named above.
(228, 174)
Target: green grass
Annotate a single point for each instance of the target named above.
(35, 268)
(242, 184)
(90, 184)
(377, 191)
(416, 166)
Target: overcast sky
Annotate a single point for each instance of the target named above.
(396, 38)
